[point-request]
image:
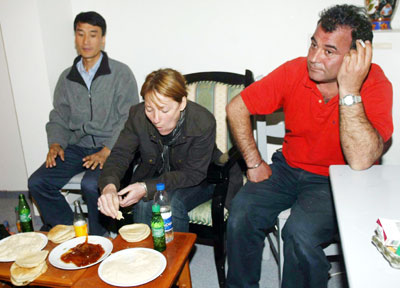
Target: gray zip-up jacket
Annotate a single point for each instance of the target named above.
(92, 118)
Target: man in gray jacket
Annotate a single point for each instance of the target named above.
(91, 104)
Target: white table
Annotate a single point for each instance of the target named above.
(361, 197)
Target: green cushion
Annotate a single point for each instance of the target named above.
(214, 96)
(202, 214)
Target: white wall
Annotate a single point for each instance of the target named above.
(206, 35)
(387, 54)
(190, 36)
(56, 22)
(28, 74)
(34, 42)
(13, 174)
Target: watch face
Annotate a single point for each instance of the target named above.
(348, 100)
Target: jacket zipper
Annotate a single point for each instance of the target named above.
(91, 115)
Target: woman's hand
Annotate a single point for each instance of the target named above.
(134, 193)
(108, 202)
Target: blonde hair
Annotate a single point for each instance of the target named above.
(167, 82)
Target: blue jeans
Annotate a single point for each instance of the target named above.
(45, 184)
(311, 223)
(182, 201)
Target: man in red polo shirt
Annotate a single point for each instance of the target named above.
(338, 110)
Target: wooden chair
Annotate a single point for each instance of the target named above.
(214, 90)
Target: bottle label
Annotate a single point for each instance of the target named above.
(167, 217)
(25, 217)
(80, 230)
(157, 232)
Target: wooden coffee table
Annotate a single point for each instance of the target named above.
(177, 270)
(53, 277)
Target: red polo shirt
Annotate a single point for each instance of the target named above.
(312, 127)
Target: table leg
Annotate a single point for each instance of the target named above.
(185, 281)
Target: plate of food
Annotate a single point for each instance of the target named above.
(21, 244)
(81, 252)
(132, 267)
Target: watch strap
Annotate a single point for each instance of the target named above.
(355, 99)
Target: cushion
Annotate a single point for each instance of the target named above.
(202, 214)
(215, 96)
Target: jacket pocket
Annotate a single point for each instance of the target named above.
(148, 159)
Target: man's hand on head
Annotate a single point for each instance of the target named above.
(355, 68)
(96, 159)
(54, 151)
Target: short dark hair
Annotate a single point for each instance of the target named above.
(92, 18)
(356, 18)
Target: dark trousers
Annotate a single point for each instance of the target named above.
(182, 201)
(311, 223)
(45, 184)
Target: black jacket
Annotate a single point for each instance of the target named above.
(189, 157)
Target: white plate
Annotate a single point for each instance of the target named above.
(126, 257)
(55, 254)
(15, 238)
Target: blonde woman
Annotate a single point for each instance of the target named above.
(174, 139)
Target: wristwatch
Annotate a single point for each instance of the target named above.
(350, 100)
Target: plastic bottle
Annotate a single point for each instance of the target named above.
(161, 198)
(80, 224)
(24, 214)
(157, 229)
(18, 222)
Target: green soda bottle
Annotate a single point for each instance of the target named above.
(24, 214)
(157, 229)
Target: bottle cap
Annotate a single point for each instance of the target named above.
(160, 186)
(155, 208)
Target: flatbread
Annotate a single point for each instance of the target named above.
(140, 266)
(119, 215)
(21, 274)
(61, 233)
(31, 260)
(17, 282)
(134, 232)
(20, 244)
